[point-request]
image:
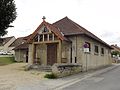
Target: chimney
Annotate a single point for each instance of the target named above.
(115, 44)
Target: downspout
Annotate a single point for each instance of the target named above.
(71, 54)
(76, 51)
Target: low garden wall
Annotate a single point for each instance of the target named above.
(61, 70)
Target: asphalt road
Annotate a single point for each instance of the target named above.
(107, 81)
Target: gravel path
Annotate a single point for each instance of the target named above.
(13, 76)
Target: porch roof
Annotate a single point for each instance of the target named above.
(55, 30)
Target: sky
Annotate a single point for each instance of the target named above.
(101, 17)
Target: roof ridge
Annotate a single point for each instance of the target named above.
(83, 29)
(80, 29)
(20, 37)
(60, 20)
(76, 24)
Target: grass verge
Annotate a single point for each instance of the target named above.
(6, 60)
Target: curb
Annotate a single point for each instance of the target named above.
(87, 75)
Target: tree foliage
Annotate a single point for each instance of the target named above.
(7, 15)
(115, 53)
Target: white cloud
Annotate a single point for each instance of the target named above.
(101, 17)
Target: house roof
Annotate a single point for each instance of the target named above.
(17, 42)
(55, 30)
(3, 41)
(116, 48)
(66, 27)
(27, 37)
(69, 27)
(23, 46)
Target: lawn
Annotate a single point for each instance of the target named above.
(6, 60)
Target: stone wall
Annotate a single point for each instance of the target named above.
(89, 60)
(61, 70)
(93, 60)
(20, 55)
(66, 49)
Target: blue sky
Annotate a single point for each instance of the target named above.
(101, 17)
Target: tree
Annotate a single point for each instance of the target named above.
(7, 15)
(115, 53)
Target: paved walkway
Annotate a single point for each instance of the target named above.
(13, 76)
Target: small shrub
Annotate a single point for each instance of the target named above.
(50, 76)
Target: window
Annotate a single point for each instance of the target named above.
(96, 49)
(75, 59)
(102, 50)
(50, 36)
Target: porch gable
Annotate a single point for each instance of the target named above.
(46, 30)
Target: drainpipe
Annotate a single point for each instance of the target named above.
(71, 54)
(76, 51)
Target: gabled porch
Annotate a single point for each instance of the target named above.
(46, 46)
(45, 49)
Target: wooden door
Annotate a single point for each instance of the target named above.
(51, 54)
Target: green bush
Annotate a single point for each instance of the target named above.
(50, 76)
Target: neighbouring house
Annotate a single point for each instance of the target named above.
(115, 48)
(67, 42)
(115, 53)
(20, 49)
(5, 43)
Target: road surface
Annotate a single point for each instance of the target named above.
(107, 81)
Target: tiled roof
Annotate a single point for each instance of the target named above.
(27, 37)
(66, 27)
(20, 44)
(55, 30)
(17, 42)
(3, 41)
(23, 46)
(116, 48)
(69, 27)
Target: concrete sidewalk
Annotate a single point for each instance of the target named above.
(58, 84)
